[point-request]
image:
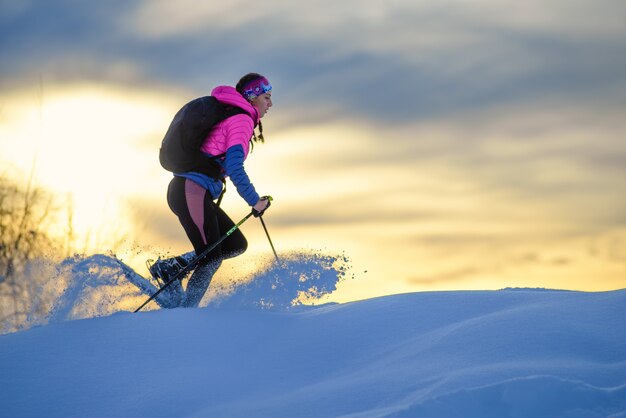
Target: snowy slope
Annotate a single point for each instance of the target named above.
(510, 353)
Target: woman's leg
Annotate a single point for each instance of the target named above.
(235, 244)
(204, 222)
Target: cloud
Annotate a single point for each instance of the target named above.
(415, 59)
(392, 61)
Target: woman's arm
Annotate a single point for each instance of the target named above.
(233, 166)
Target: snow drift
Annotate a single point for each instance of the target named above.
(509, 353)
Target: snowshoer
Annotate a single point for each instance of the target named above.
(191, 195)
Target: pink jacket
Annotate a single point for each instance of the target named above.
(236, 130)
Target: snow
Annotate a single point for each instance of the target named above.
(258, 351)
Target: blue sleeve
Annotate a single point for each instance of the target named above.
(233, 165)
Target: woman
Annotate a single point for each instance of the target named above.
(191, 195)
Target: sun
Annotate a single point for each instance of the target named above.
(91, 146)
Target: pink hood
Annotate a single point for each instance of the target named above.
(230, 96)
(235, 130)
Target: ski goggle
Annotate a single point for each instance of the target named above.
(256, 88)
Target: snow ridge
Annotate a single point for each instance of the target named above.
(437, 354)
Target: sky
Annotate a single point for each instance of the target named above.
(438, 145)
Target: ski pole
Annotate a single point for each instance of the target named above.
(269, 239)
(193, 263)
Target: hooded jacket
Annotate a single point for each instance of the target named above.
(232, 138)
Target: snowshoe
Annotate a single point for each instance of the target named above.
(163, 270)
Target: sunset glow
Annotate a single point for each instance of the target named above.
(435, 156)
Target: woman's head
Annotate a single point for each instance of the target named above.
(257, 90)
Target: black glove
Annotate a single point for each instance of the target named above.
(257, 213)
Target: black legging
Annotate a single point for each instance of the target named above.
(204, 222)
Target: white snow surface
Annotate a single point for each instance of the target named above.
(507, 353)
